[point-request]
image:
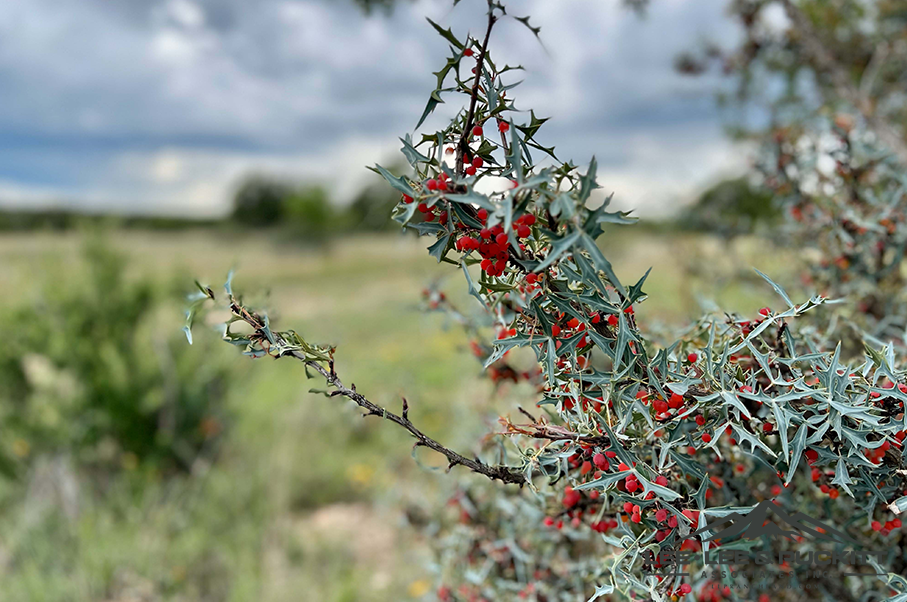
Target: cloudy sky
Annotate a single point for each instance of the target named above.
(162, 106)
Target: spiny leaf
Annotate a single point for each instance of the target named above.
(447, 34)
(525, 21)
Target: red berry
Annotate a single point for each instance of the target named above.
(522, 231)
(767, 427)
(876, 525)
(586, 468)
(477, 130)
(470, 171)
(636, 518)
(468, 52)
(532, 278)
(555, 330)
(549, 521)
(501, 239)
(477, 162)
(482, 214)
(661, 480)
(571, 497)
(776, 490)
(700, 420)
(432, 184)
(692, 358)
(661, 515)
(765, 311)
(686, 588)
(613, 320)
(600, 461)
(407, 199)
(572, 323)
(503, 126)
(706, 437)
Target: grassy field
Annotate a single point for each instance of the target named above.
(305, 501)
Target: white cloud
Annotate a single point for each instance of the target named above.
(175, 100)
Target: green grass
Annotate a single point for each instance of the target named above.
(304, 501)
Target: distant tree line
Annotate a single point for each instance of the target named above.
(296, 210)
(306, 212)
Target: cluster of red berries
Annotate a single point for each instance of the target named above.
(888, 527)
(439, 184)
(818, 477)
(662, 407)
(571, 500)
(473, 165)
(875, 455)
(493, 244)
(584, 459)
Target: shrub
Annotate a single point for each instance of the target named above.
(88, 373)
(260, 202)
(631, 446)
(833, 148)
(732, 207)
(307, 213)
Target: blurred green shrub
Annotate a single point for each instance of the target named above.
(88, 371)
(372, 208)
(259, 201)
(731, 207)
(306, 212)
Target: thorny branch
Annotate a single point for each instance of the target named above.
(504, 474)
(463, 146)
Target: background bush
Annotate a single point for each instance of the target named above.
(90, 373)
